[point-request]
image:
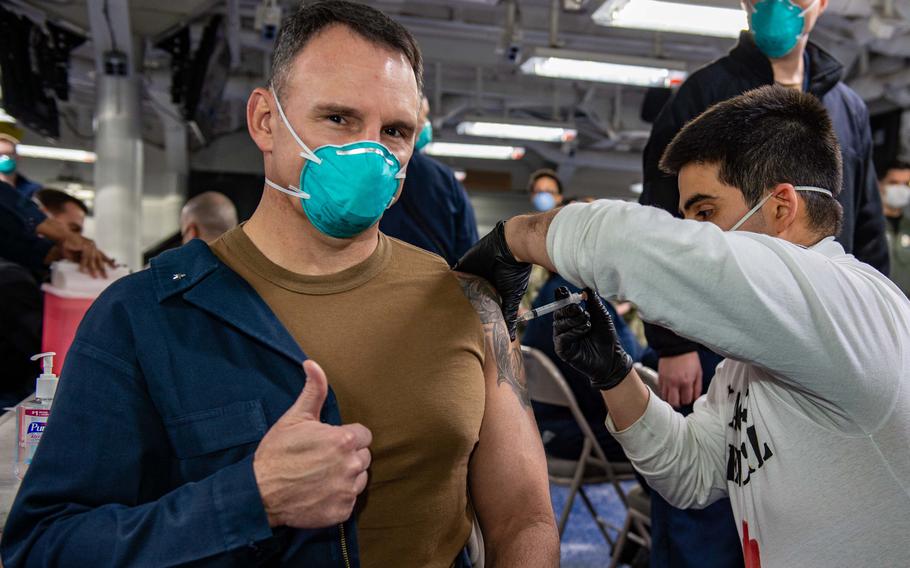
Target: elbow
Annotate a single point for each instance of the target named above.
(530, 541)
(540, 525)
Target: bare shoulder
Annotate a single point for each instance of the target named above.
(482, 296)
(509, 369)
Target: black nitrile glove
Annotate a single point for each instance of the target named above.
(491, 259)
(588, 341)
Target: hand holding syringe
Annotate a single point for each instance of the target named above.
(575, 298)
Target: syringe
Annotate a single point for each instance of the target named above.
(550, 308)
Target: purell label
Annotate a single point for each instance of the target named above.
(34, 420)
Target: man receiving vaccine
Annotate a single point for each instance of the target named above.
(218, 448)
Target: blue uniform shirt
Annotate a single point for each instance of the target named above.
(19, 218)
(174, 376)
(26, 187)
(433, 212)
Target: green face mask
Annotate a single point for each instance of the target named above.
(7, 164)
(777, 25)
(425, 136)
(344, 189)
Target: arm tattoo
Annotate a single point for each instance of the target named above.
(509, 363)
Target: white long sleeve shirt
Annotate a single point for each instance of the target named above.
(806, 425)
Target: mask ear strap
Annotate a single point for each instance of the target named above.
(767, 197)
(809, 7)
(307, 153)
(751, 212)
(293, 191)
(814, 189)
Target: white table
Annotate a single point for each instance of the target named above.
(9, 483)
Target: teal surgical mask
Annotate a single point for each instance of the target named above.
(765, 199)
(777, 25)
(344, 189)
(7, 164)
(425, 136)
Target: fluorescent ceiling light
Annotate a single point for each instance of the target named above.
(486, 151)
(672, 17)
(517, 131)
(6, 117)
(637, 71)
(51, 153)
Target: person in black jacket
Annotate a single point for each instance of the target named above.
(33, 240)
(433, 212)
(20, 334)
(704, 538)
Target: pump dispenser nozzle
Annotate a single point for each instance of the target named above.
(47, 362)
(46, 385)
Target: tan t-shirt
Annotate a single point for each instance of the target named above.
(403, 350)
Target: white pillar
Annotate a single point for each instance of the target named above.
(118, 169)
(165, 182)
(118, 136)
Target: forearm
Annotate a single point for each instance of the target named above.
(53, 230)
(682, 458)
(527, 238)
(533, 544)
(627, 401)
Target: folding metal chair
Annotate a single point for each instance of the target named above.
(547, 385)
(637, 525)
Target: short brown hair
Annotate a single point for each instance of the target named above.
(55, 200)
(363, 20)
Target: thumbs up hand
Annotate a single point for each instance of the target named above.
(309, 473)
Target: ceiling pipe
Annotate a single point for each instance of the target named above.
(554, 23)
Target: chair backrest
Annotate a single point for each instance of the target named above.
(648, 376)
(547, 385)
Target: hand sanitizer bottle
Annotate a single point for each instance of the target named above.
(33, 413)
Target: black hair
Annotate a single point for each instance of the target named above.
(55, 200)
(544, 173)
(365, 21)
(762, 138)
(894, 165)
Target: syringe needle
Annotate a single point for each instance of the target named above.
(575, 298)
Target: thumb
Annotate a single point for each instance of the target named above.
(596, 307)
(309, 404)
